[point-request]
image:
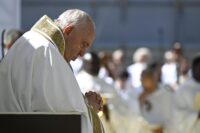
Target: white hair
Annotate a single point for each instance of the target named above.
(75, 17)
(140, 52)
(117, 54)
(169, 56)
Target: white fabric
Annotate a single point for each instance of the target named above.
(130, 97)
(103, 74)
(5, 51)
(77, 65)
(34, 77)
(124, 114)
(88, 82)
(186, 108)
(135, 71)
(169, 74)
(161, 107)
(126, 117)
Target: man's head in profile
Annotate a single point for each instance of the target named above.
(79, 32)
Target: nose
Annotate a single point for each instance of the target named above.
(82, 52)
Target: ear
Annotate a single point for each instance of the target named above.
(68, 29)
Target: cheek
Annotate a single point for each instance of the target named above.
(147, 83)
(75, 45)
(76, 49)
(72, 46)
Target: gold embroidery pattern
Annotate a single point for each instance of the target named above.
(97, 125)
(46, 27)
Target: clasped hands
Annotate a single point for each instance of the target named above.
(94, 100)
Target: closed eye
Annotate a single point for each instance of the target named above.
(85, 45)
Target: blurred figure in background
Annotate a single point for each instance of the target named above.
(156, 66)
(126, 92)
(88, 80)
(127, 105)
(156, 100)
(183, 70)
(121, 109)
(118, 62)
(141, 58)
(88, 77)
(125, 111)
(169, 74)
(181, 62)
(178, 51)
(105, 69)
(9, 38)
(186, 114)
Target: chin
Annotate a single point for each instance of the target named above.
(73, 59)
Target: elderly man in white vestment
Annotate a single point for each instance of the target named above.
(186, 112)
(34, 76)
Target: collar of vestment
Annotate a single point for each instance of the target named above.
(48, 29)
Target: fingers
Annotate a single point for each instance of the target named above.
(89, 93)
(95, 100)
(101, 108)
(100, 101)
(98, 97)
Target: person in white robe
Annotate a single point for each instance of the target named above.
(141, 58)
(126, 92)
(105, 71)
(155, 101)
(186, 112)
(34, 76)
(88, 78)
(126, 107)
(169, 70)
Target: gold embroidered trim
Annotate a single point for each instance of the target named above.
(47, 28)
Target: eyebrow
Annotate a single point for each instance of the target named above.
(86, 44)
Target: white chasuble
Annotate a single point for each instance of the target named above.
(34, 77)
